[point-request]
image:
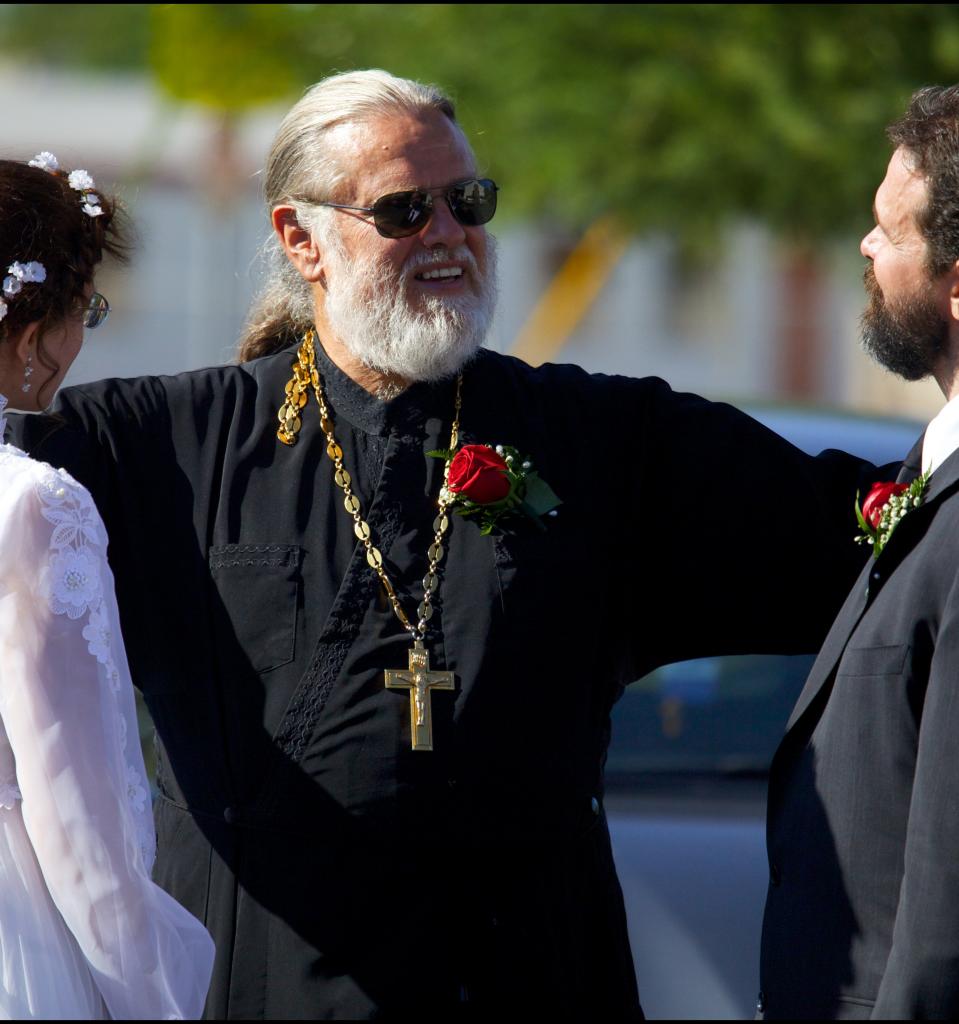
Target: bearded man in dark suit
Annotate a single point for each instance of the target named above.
(862, 914)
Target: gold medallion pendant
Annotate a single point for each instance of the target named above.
(417, 677)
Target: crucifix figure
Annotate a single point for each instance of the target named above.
(419, 680)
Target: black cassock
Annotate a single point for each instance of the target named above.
(340, 872)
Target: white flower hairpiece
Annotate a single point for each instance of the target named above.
(46, 162)
(79, 180)
(84, 184)
(29, 273)
(19, 274)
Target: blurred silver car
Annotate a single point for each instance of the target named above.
(686, 789)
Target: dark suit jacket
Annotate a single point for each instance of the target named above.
(862, 913)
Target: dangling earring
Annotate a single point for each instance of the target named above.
(27, 370)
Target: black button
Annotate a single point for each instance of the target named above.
(775, 876)
(877, 576)
(761, 1003)
(594, 805)
(229, 815)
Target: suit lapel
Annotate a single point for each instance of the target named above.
(846, 621)
(858, 599)
(911, 464)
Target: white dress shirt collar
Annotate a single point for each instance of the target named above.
(942, 436)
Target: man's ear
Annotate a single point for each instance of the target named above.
(298, 243)
(952, 283)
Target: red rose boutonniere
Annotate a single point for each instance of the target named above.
(491, 484)
(884, 508)
(479, 474)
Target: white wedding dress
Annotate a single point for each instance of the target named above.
(84, 932)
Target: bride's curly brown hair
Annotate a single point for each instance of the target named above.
(42, 220)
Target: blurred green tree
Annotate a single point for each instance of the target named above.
(672, 116)
(630, 117)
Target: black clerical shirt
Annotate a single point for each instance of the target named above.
(339, 872)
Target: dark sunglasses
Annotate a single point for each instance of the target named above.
(400, 214)
(95, 311)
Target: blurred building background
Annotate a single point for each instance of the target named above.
(683, 187)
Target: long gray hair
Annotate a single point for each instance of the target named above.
(303, 164)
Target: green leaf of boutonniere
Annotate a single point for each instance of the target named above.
(539, 498)
(861, 519)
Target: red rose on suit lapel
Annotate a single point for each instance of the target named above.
(480, 474)
(885, 507)
(876, 499)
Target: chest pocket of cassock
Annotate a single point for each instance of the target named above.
(257, 586)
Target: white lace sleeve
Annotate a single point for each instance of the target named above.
(68, 708)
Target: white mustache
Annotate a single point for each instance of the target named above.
(418, 260)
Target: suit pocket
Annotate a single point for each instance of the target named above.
(886, 660)
(258, 586)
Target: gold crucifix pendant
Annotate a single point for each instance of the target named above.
(419, 681)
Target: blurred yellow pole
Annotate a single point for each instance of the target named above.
(571, 293)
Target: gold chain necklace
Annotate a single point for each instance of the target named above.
(417, 678)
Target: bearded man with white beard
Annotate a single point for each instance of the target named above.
(382, 725)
